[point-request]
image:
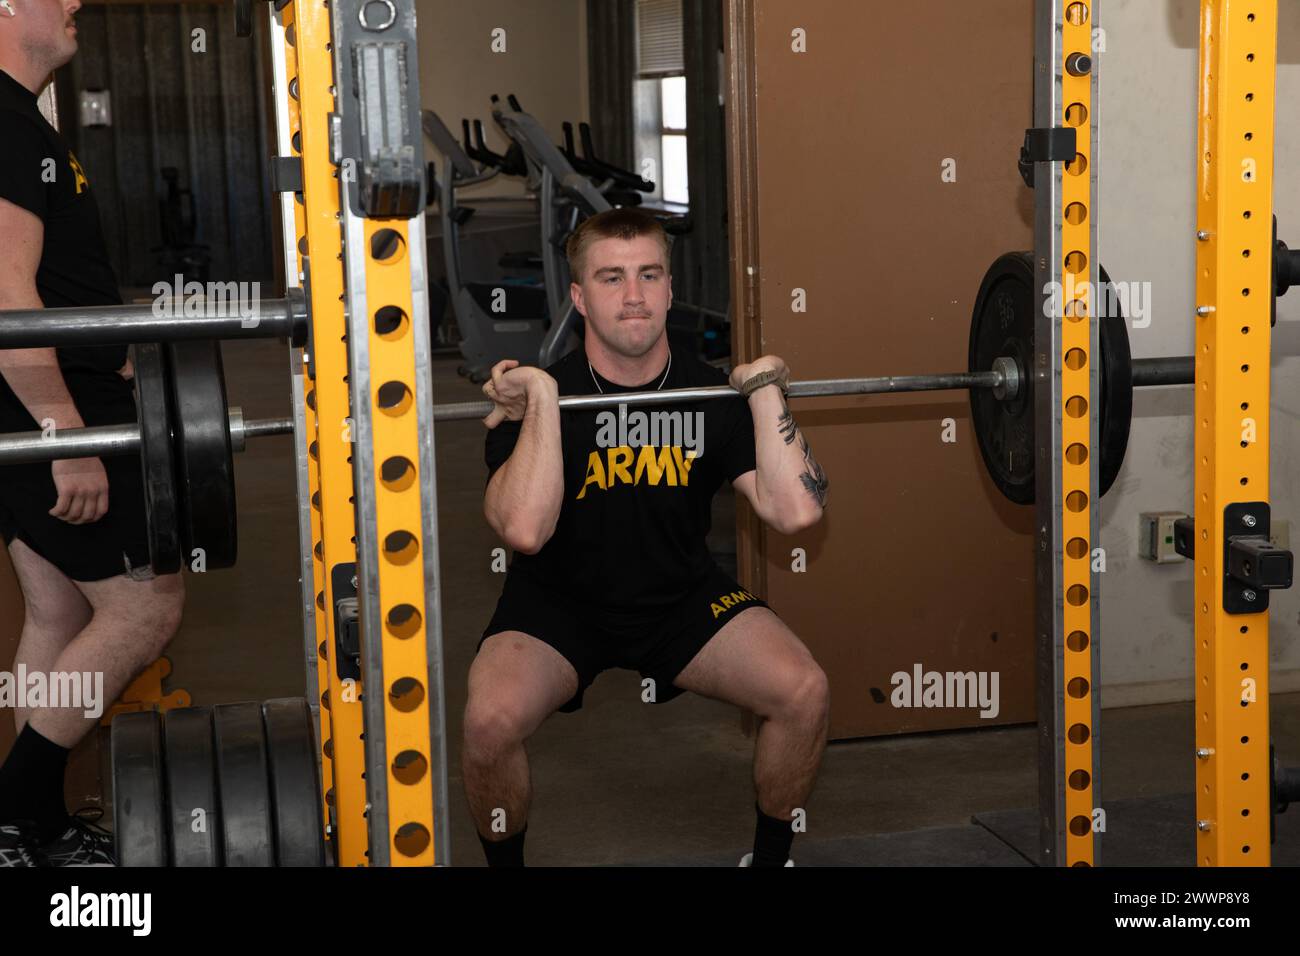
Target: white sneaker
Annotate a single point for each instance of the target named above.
(748, 860)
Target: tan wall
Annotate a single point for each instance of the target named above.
(544, 64)
(1147, 212)
(919, 559)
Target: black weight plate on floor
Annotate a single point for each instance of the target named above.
(1003, 325)
(156, 457)
(193, 813)
(205, 468)
(1116, 385)
(139, 817)
(247, 838)
(295, 785)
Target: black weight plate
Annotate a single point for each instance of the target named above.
(242, 787)
(156, 457)
(1116, 385)
(139, 825)
(1003, 325)
(295, 784)
(205, 467)
(193, 812)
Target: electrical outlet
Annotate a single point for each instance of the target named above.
(1156, 536)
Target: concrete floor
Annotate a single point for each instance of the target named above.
(617, 782)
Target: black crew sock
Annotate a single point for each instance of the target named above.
(772, 840)
(31, 784)
(507, 852)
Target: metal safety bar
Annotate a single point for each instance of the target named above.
(159, 321)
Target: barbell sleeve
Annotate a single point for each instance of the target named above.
(1180, 370)
(105, 441)
(146, 322)
(262, 427)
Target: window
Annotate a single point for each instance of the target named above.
(660, 99)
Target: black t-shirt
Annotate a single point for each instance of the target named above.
(39, 173)
(637, 494)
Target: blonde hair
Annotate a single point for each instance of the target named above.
(626, 222)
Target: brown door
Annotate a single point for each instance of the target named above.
(872, 176)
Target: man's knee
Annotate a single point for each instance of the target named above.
(492, 726)
(805, 695)
(171, 608)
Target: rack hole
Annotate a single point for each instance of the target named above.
(409, 767)
(406, 694)
(400, 547)
(390, 322)
(397, 473)
(404, 620)
(394, 398)
(411, 839)
(387, 245)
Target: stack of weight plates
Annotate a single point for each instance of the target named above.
(231, 785)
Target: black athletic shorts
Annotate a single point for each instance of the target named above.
(658, 643)
(117, 543)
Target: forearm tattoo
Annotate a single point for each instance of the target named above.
(813, 478)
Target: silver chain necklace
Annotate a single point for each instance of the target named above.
(596, 381)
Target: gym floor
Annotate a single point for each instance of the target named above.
(620, 783)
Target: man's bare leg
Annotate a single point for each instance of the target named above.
(55, 613)
(515, 683)
(756, 662)
(129, 624)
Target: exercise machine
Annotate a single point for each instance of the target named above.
(504, 320)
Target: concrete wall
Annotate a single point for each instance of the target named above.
(544, 64)
(1148, 145)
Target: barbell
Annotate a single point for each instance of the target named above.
(186, 433)
(158, 321)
